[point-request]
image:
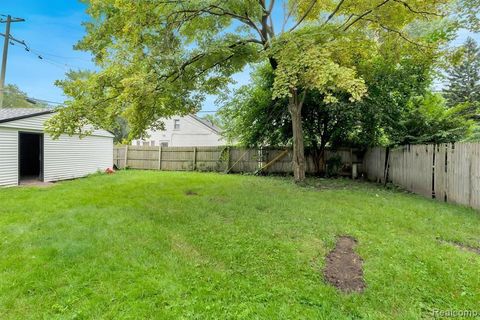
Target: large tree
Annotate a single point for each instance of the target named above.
(398, 109)
(253, 119)
(464, 77)
(160, 58)
(429, 120)
(16, 98)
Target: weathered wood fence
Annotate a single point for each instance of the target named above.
(446, 172)
(220, 159)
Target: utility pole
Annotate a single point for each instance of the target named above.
(8, 22)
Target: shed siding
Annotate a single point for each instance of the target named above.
(64, 158)
(72, 157)
(36, 124)
(30, 124)
(8, 157)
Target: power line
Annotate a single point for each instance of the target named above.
(6, 16)
(39, 54)
(62, 57)
(7, 36)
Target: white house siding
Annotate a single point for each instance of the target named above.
(72, 157)
(64, 158)
(8, 157)
(192, 133)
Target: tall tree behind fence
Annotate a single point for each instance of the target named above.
(446, 172)
(220, 159)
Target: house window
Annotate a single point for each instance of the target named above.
(138, 143)
(176, 124)
(152, 143)
(145, 143)
(164, 144)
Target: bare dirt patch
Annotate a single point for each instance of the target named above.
(344, 267)
(191, 193)
(461, 246)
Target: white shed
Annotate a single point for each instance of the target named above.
(27, 153)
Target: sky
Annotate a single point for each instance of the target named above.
(51, 30)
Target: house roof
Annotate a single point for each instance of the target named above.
(208, 124)
(12, 114)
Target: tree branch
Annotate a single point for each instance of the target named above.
(260, 32)
(270, 7)
(399, 33)
(334, 12)
(177, 73)
(406, 5)
(221, 12)
(346, 21)
(310, 7)
(214, 65)
(365, 14)
(287, 13)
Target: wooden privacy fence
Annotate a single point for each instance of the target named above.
(220, 159)
(446, 172)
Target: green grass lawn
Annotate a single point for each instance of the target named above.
(210, 246)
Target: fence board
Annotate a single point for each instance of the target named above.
(449, 172)
(238, 160)
(440, 172)
(374, 164)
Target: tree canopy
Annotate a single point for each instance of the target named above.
(16, 98)
(160, 58)
(464, 77)
(399, 109)
(157, 59)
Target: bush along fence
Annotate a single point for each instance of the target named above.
(228, 159)
(446, 172)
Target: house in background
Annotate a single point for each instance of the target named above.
(187, 131)
(27, 153)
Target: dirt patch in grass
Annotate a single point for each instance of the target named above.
(219, 199)
(461, 246)
(343, 267)
(191, 193)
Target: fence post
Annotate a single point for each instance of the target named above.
(470, 185)
(387, 166)
(160, 158)
(227, 169)
(194, 158)
(115, 157)
(126, 156)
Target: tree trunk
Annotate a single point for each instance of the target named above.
(315, 157)
(322, 157)
(318, 156)
(298, 157)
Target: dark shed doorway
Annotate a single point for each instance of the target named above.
(30, 166)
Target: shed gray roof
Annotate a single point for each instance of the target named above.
(11, 114)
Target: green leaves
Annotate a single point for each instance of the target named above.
(430, 121)
(16, 98)
(305, 65)
(464, 75)
(157, 59)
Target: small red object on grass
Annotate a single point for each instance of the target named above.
(109, 171)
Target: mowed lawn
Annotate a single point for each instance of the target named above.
(173, 245)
